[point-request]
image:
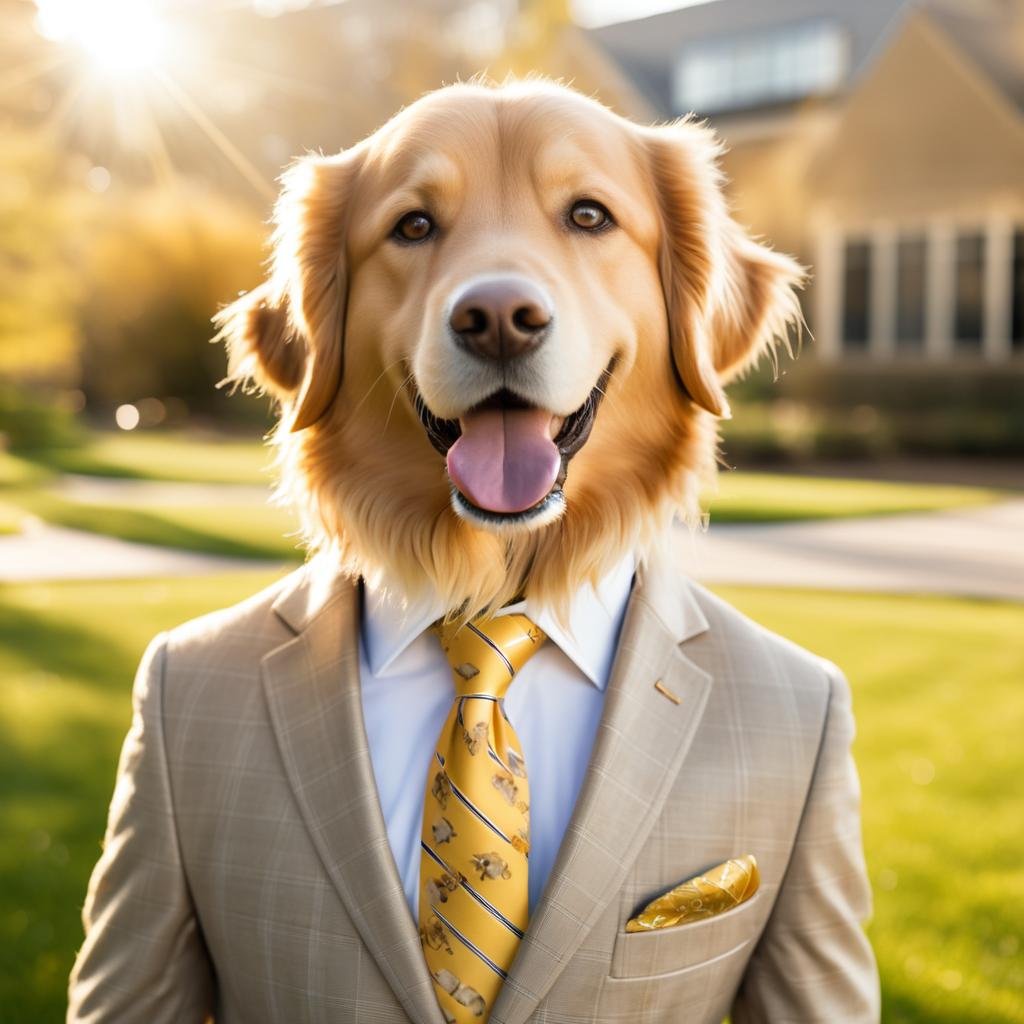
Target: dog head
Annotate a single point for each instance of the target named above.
(499, 330)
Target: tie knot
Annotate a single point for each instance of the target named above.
(486, 654)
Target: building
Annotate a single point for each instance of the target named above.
(882, 142)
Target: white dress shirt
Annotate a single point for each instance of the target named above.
(554, 704)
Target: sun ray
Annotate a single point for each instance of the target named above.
(227, 148)
(23, 74)
(286, 83)
(158, 154)
(342, 103)
(63, 107)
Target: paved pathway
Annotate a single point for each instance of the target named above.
(96, 490)
(976, 552)
(45, 553)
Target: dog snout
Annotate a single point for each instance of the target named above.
(500, 318)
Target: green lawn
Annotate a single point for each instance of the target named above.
(11, 518)
(242, 530)
(741, 497)
(938, 694)
(15, 473)
(67, 657)
(770, 497)
(260, 530)
(18, 472)
(937, 689)
(194, 457)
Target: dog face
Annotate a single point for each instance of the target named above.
(519, 295)
(499, 329)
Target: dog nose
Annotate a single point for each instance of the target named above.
(500, 318)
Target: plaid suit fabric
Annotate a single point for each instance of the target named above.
(246, 873)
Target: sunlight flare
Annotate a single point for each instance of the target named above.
(118, 37)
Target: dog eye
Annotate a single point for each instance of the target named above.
(589, 215)
(414, 227)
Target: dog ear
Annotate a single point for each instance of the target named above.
(728, 298)
(756, 305)
(287, 335)
(264, 349)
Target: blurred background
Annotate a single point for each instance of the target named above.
(871, 505)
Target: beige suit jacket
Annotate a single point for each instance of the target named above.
(246, 872)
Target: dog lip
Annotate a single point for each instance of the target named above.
(570, 438)
(441, 433)
(576, 427)
(553, 498)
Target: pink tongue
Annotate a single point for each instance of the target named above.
(504, 461)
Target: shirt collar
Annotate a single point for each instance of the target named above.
(391, 624)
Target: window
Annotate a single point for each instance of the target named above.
(911, 258)
(856, 296)
(782, 64)
(969, 318)
(1017, 331)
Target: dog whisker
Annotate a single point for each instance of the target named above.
(369, 390)
(604, 395)
(391, 408)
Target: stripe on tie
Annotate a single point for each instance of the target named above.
(469, 945)
(486, 904)
(470, 806)
(494, 647)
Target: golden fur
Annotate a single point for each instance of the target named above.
(677, 294)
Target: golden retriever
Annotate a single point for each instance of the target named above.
(498, 330)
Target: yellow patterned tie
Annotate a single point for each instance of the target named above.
(476, 822)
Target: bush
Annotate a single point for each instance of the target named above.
(816, 410)
(30, 421)
(38, 334)
(156, 270)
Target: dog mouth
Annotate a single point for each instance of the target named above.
(507, 458)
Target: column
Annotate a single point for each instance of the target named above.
(941, 291)
(827, 271)
(996, 346)
(881, 344)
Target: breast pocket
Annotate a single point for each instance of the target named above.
(668, 951)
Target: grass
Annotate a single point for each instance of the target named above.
(242, 530)
(263, 531)
(15, 473)
(190, 457)
(741, 497)
(67, 657)
(19, 472)
(769, 497)
(940, 710)
(260, 530)
(11, 518)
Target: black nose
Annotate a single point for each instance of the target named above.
(500, 318)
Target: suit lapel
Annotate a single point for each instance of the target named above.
(312, 688)
(641, 743)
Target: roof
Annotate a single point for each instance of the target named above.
(991, 33)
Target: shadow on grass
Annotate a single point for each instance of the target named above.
(84, 462)
(902, 1005)
(144, 527)
(68, 653)
(60, 648)
(192, 456)
(57, 770)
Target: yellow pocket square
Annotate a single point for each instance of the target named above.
(707, 895)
